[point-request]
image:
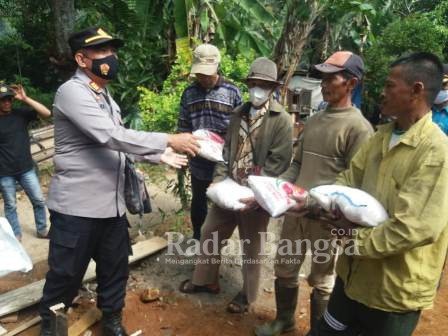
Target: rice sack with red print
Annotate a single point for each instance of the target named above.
(274, 195)
(211, 145)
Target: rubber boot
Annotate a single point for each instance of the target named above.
(112, 326)
(318, 307)
(45, 327)
(286, 301)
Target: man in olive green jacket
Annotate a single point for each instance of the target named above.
(259, 141)
(272, 148)
(396, 267)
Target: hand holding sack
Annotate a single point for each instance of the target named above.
(275, 195)
(227, 194)
(211, 145)
(356, 205)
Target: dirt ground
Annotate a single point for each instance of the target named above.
(176, 313)
(203, 314)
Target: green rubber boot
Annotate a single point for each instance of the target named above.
(286, 301)
(318, 306)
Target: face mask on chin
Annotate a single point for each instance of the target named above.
(259, 96)
(106, 67)
(441, 97)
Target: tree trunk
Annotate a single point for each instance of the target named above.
(294, 38)
(282, 50)
(325, 41)
(64, 20)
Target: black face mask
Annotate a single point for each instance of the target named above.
(106, 67)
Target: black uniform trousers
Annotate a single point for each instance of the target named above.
(74, 241)
(362, 320)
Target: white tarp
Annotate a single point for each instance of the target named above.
(308, 83)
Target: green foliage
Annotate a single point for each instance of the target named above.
(46, 98)
(143, 60)
(247, 25)
(410, 34)
(26, 36)
(159, 110)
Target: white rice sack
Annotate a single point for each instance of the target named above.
(274, 194)
(227, 194)
(356, 205)
(211, 145)
(13, 256)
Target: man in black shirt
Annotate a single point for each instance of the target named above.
(16, 163)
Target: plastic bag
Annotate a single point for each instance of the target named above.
(13, 256)
(274, 195)
(356, 205)
(226, 194)
(212, 145)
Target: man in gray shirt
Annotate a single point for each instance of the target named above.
(86, 194)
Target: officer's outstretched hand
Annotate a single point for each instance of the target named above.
(173, 159)
(184, 143)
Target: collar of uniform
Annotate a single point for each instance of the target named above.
(413, 135)
(91, 84)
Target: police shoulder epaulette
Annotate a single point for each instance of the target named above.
(95, 87)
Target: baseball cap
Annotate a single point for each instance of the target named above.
(206, 58)
(343, 60)
(5, 91)
(90, 37)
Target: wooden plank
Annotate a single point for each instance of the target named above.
(44, 136)
(42, 129)
(49, 143)
(29, 295)
(24, 326)
(86, 321)
(11, 318)
(43, 155)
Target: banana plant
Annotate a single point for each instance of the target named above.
(236, 25)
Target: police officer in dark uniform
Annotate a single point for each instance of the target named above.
(86, 194)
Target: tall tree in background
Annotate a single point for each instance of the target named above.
(299, 23)
(64, 23)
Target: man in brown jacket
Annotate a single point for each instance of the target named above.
(328, 142)
(259, 141)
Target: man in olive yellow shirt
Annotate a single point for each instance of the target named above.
(396, 267)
